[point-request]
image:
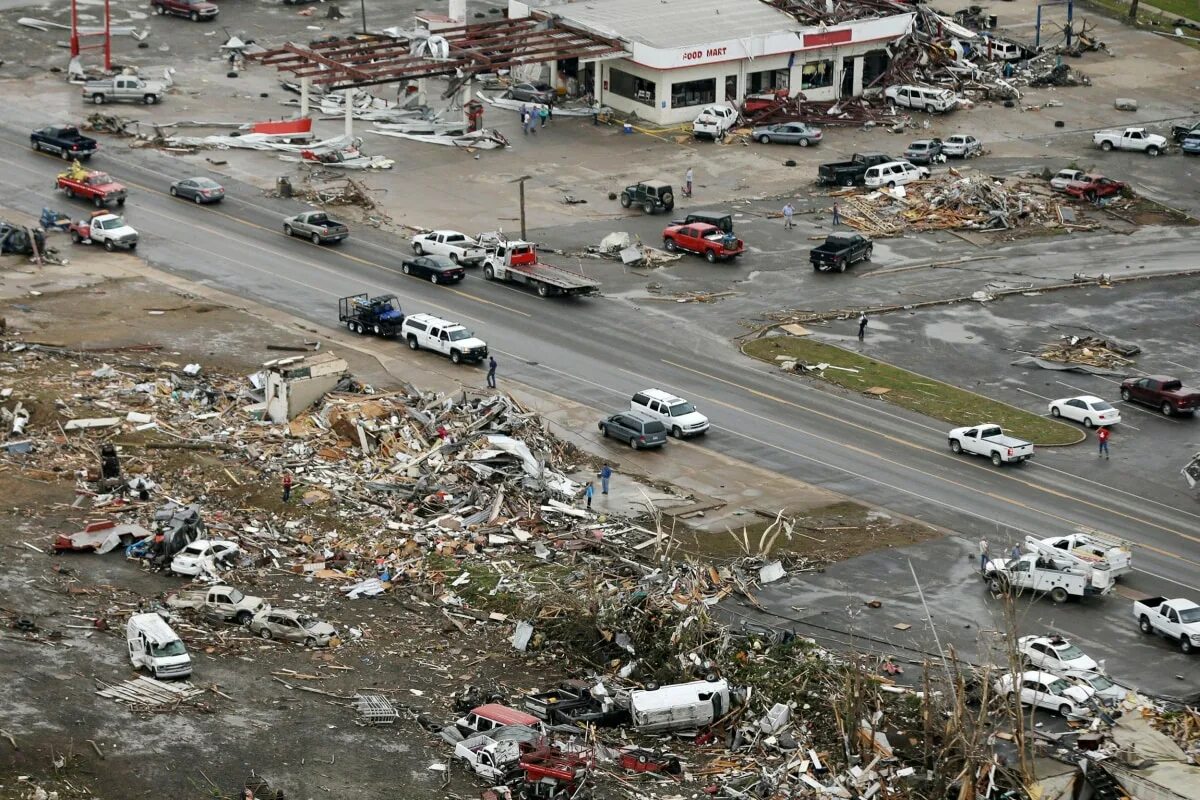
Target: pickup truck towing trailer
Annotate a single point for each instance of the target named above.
(83, 184)
(1177, 619)
(1060, 579)
(989, 440)
(517, 262)
(1086, 549)
(64, 141)
(107, 229)
(362, 314)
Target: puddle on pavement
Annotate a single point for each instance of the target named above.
(950, 332)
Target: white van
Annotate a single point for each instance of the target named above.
(155, 647)
(922, 98)
(999, 50)
(682, 706)
(893, 174)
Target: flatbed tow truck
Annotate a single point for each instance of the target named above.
(516, 261)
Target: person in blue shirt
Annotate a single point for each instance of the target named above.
(605, 474)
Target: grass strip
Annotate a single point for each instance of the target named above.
(927, 396)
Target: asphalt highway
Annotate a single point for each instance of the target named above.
(600, 350)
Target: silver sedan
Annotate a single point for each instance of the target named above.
(201, 190)
(787, 133)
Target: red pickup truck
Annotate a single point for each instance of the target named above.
(1168, 395)
(703, 240)
(95, 186)
(1093, 187)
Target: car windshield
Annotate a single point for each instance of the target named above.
(1190, 615)
(173, 648)
(1102, 406)
(459, 335)
(1069, 653)
(1059, 686)
(1100, 683)
(235, 596)
(679, 409)
(655, 427)
(112, 224)
(308, 623)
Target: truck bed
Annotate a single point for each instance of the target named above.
(554, 276)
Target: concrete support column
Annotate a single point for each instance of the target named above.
(348, 94)
(553, 75)
(305, 86)
(598, 81)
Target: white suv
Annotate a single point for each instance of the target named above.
(680, 416)
(448, 338)
(922, 98)
(893, 174)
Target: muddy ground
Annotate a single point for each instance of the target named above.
(254, 720)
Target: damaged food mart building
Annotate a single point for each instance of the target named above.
(686, 54)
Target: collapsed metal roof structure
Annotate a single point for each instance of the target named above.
(459, 52)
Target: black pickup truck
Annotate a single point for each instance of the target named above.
(840, 251)
(849, 173)
(65, 141)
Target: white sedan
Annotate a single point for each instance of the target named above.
(1054, 654)
(1091, 411)
(1108, 692)
(1044, 690)
(202, 555)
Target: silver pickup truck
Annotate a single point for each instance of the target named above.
(123, 88)
(317, 226)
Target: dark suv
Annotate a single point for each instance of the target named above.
(650, 196)
(636, 428)
(719, 219)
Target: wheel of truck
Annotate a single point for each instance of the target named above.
(412, 343)
(75, 237)
(626, 200)
(764, 139)
(66, 155)
(120, 201)
(870, 252)
(848, 180)
(929, 108)
(375, 329)
(1059, 595)
(316, 238)
(455, 357)
(648, 207)
(242, 618)
(418, 249)
(1106, 146)
(842, 266)
(433, 278)
(1185, 644)
(710, 256)
(1125, 395)
(996, 459)
(1064, 710)
(891, 184)
(357, 327)
(98, 201)
(543, 290)
(1152, 150)
(405, 269)
(108, 245)
(287, 229)
(98, 99)
(955, 446)
(1144, 624)
(676, 432)
(488, 274)
(1166, 409)
(265, 633)
(803, 142)
(669, 245)
(149, 99)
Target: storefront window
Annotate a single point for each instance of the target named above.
(631, 86)
(817, 75)
(768, 80)
(693, 93)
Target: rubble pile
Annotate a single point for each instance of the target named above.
(1090, 350)
(952, 200)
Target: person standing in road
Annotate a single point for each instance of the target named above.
(788, 211)
(983, 555)
(1102, 437)
(687, 182)
(588, 491)
(544, 114)
(491, 376)
(605, 474)
(837, 215)
(524, 123)
(862, 326)
(287, 487)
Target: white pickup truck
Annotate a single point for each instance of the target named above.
(458, 247)
(224, 602)
(1041, 575)
(1089, 549)
(989, 440)
(494, 760)
(714, 122)
(110, 230)
(1130, 139)
(1177, 619)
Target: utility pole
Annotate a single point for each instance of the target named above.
(362, 6)
(521, 184)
